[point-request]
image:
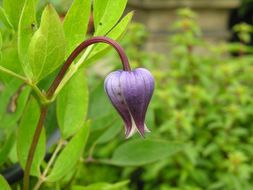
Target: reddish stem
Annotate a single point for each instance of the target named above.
(78, 50)
(34, 144)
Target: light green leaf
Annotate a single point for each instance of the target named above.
(116, 33)
(70, 154)
(47, 47)
(10, 61)
(102, 186)
(4, 18)
(139, 152)
(26, 28)
(72, 104)
(1, 41)
(4, 184)
(13, 9)
(106, 14)
(25, 134)
(76, 23)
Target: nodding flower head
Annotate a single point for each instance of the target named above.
(130, 93)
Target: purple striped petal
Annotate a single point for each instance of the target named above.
(130, 93)
(114, 91)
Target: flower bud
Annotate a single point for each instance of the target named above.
(130, 93)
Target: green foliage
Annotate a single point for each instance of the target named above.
(116, 33)
(203, 100)
(26, 28)
(25, 134)
(104, 17)
(4, 185)
(102, 186)
(72, 104)
(4, 18)
(13, 9)
(141, 152)
(70, 154)
(76, 23)
(47, 46)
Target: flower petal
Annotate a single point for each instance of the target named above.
(114, 91)
(137, 88)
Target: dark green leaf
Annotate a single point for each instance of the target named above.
(140, 152)
(102, 186)
(111, 132)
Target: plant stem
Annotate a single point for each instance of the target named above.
(42, 97)
(33, 147)
(51, 94)
(51, 161)
(38, 92)
(9, 72)
(78, 50)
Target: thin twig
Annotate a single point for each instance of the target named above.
(50, 163)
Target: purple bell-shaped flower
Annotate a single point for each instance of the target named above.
(130, 93)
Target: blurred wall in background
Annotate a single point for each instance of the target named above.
(158, 15)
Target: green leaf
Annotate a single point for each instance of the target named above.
(9, 117)
(47, 47)
(116, 33)
(6, 148)
(72, 104)
(70, 154)
(10, 60)
(139, 152)
(106, 14)
(111, 132)
(26, 28)
(4, 184)
(4, 18)
(102, 186)
(13, 9)
(76, 23)
(1, 41)
(25, 134)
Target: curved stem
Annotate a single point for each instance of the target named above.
(33, 147)
(78, 50)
